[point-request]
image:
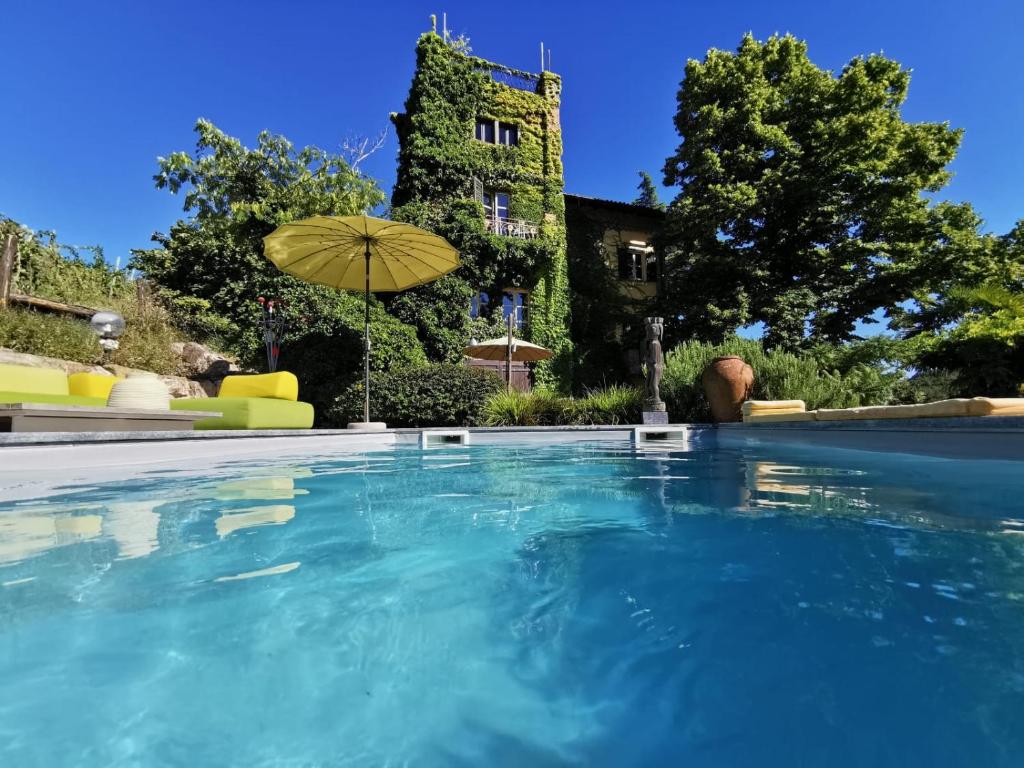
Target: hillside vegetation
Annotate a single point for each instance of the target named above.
(68, 274)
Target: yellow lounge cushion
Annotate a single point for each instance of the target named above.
(92, 384)
(756, 406)
(281, 385)
(762, 418)
(996, 406)
(40, 381)
(937, 410)
(751, 407)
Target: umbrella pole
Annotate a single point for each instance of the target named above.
(366, 340)
(508, 357)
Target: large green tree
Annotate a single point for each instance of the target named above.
(211, 270)
(802, 195)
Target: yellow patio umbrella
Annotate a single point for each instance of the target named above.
(360, 253)
(507, 348)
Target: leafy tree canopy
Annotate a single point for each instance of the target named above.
(953, 290)
(801, 200)
(973, 326)
(211, 267)
(264, 187)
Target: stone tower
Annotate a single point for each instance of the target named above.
(480, 162)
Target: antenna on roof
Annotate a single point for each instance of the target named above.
(549, 59)
(444, 25)
(542, 56)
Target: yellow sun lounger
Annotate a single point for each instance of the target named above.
(760, 412)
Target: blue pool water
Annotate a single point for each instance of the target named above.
(520, 606)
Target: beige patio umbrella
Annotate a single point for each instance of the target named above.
(360, 253)
(507, 348)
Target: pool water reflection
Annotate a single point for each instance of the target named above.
(581, 604)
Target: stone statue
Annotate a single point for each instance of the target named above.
(655, 363)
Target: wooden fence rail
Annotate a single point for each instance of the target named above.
(47, 305)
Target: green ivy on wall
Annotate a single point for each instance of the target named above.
(441, 166)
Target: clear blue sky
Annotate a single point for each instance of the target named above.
(93, 92)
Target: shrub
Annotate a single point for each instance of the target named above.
(431, 395)
(542, 407)
(35, 333)
(777, 376)
(527, 409)
(510, 408)
(146, 343)
(327, 355)
(549, 409)
(612, 405)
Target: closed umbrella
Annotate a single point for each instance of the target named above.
(360, 253)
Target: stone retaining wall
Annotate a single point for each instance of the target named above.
(207, 369)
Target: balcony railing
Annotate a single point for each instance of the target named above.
(524, 230)
(513, 78)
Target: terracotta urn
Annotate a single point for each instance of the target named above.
(728, 381)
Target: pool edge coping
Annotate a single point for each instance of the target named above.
(989, 437)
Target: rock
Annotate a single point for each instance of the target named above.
(10, 357)
(198, 362)
(209, 386)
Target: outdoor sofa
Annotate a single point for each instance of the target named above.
(261, 401)
(23, 384)
(264, 401)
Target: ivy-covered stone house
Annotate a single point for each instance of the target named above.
(614, 272)
(480, 162)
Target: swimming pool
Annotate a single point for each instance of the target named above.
(582, 604)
